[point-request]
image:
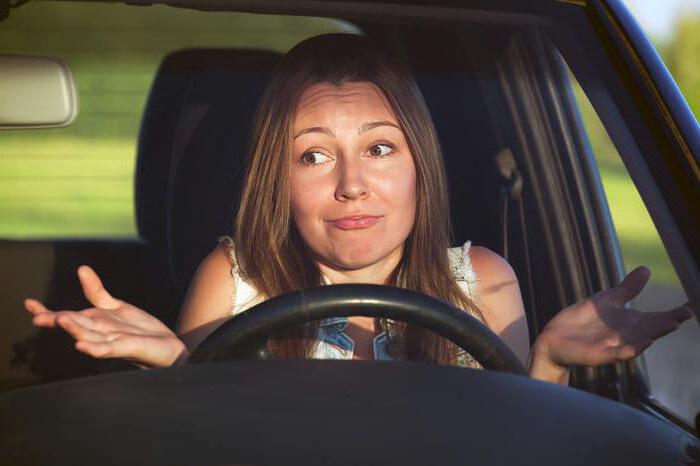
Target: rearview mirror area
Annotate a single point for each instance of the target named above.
(36, 92)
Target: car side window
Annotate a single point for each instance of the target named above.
(671, 365)
(77, 182)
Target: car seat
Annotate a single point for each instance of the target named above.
(190, 158)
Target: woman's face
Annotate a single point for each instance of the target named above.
(353, 179)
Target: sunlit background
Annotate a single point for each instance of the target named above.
(659, 19)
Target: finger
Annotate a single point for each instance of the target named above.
(93, 289)
(35, 307)
(41, 315)
(80, 332)
(683, 313)
(47, 318)
(630, 287)
(671, 319)
(117, 348)
(653, 325)
(83, 318)
(630, 351)
(98, 350)
(662, 324)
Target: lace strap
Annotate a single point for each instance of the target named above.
(462, 269)
(227, 243)
(465, 276)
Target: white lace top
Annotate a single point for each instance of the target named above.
(333, 343)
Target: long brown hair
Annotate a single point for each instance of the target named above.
(269, 250)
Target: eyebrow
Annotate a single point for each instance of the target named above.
(363, 129)
(315, 129)
(375, 124)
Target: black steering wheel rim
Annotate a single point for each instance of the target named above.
(244, 335)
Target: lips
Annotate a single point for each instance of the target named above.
(356, 222)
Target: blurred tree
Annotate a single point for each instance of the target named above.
(682, 55)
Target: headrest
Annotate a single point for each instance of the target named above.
(192, 146)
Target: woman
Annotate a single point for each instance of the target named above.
(346, 185)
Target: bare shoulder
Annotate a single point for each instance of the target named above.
(490, 266)
(213, 274)
(217, 261)
(209, 298)
(500, 298)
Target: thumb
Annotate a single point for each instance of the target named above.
(94, 290)
(631, 285)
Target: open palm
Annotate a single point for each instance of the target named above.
(600, 330)
(112, 328)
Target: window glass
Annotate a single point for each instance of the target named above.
(78, 181)
(672, 364)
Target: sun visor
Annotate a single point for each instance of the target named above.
(36, 92)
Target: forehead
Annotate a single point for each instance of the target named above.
(327, 100)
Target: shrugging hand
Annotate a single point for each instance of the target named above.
(599, 330)
(113, 328)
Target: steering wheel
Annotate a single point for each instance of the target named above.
(245, 335)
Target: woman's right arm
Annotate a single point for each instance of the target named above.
(209, 300)
(116, 329)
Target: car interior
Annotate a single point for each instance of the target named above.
(521, 177)
(191, 151)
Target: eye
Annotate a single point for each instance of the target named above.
(314, 158)
(381, 150)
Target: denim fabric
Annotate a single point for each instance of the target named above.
(334, 343)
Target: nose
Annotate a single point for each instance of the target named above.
(352, 183)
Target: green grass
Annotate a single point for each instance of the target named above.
(636, 232)
(55, 186)
(94, 218)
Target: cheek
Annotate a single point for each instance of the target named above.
(409, 187)
(409, 190)
(298, 195)
(300, 205)
(305, 200)
(400, 192)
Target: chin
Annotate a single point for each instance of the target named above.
(355, 257)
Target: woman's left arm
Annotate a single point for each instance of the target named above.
(500, 300)
(600, 330)
(597, 330)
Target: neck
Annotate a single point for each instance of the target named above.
(379, 273)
